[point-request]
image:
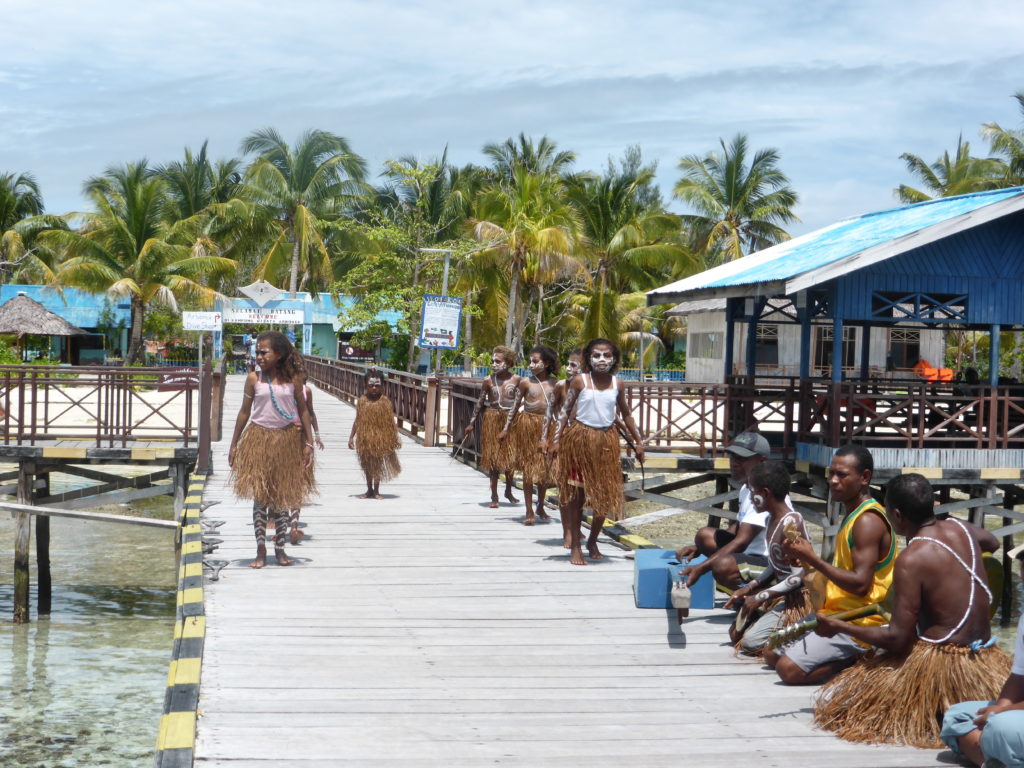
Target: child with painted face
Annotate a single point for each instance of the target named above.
(589, 470)
(526, 431)
(374, 435)
(271, 454)
(497, 397)
(572, 368)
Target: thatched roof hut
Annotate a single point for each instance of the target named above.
(22, 315)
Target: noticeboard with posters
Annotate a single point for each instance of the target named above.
(442, 318)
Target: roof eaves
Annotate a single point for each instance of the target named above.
(907, 242)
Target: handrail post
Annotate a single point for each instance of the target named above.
(204, 464)
(430, 413)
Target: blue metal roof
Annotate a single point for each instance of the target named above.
(834, 243)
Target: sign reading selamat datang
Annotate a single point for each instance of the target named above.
(263, 316)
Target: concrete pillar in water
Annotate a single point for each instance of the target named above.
(45, 591)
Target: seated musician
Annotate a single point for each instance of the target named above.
(780, 586)
(938, 645)
(860, 572)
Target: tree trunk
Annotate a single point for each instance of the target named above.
(513, 306)
(540, 314)
(293, 277)
(467, 343)
(135, 338)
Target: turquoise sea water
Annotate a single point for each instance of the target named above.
(85, 686)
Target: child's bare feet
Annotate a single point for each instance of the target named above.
(367, 495)
(576, 556)
(544, 516)
(377, 496)
(261, 557)
(529, 518)
(297, 535)
(510, 497)
(593, 552)
(567, 540)
(494, 503)
(282, 558)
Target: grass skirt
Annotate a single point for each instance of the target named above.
(525, 436)
(890, 699)
(590, 458)
(495, 454)
(268, 467)
(377, 439)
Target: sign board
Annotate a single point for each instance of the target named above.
(442, 319)
(178, 379)
(347, 351)
(264, 316)
(202, 321)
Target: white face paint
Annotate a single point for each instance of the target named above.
(601, 360)
(373, 382)
(537, 365)
(498, 364)
(572, 368)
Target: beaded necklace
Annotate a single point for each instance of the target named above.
(284, 414)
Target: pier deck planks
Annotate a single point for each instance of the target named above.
(427, 627)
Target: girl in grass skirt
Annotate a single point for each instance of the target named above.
(374, 436)
(589, 469)
(271, 456)
(497, 395)
(525, 431)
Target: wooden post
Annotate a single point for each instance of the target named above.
(430, 413)
(22, 536)
(44, 597)
(204, 464)
(1006, 599)
(179, 479)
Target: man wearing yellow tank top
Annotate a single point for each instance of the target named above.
(860, 572)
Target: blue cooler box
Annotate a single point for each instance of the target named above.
(654, 570)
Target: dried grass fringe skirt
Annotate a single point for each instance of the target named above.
(895, 699)
(589, 458)
(525, 436)
(495, 454)
(377, 439)
(268, 467)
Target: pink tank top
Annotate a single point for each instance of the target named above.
(263, 411)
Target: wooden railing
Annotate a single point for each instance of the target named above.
(414, 397)
(104, 405)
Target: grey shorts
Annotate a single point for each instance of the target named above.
(812, 651)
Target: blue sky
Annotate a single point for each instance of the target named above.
(841, 89)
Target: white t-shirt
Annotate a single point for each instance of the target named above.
(748, 514)
(1018, 652)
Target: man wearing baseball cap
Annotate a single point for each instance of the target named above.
(743, 542)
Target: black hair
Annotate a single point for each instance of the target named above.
(547, 354)
(860, 454)
(375, 373)
(912, 495)
(585, 362)
(772, 475)
(290, 364)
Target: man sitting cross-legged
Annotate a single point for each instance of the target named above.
(937, 645)
(860, 572)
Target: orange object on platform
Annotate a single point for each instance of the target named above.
(924, 369)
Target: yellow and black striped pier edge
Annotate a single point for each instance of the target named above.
(175, 743)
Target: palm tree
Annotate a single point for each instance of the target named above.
(740, 207)
(196, 183)
(529, 229)
(946, 177)
(631, 243)
(536, 158)
(299, 195)
(128, 247)
(19, 200)
(1008, 145)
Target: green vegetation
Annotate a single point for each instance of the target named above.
(540, 249)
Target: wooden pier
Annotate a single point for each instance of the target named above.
(428, 629)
